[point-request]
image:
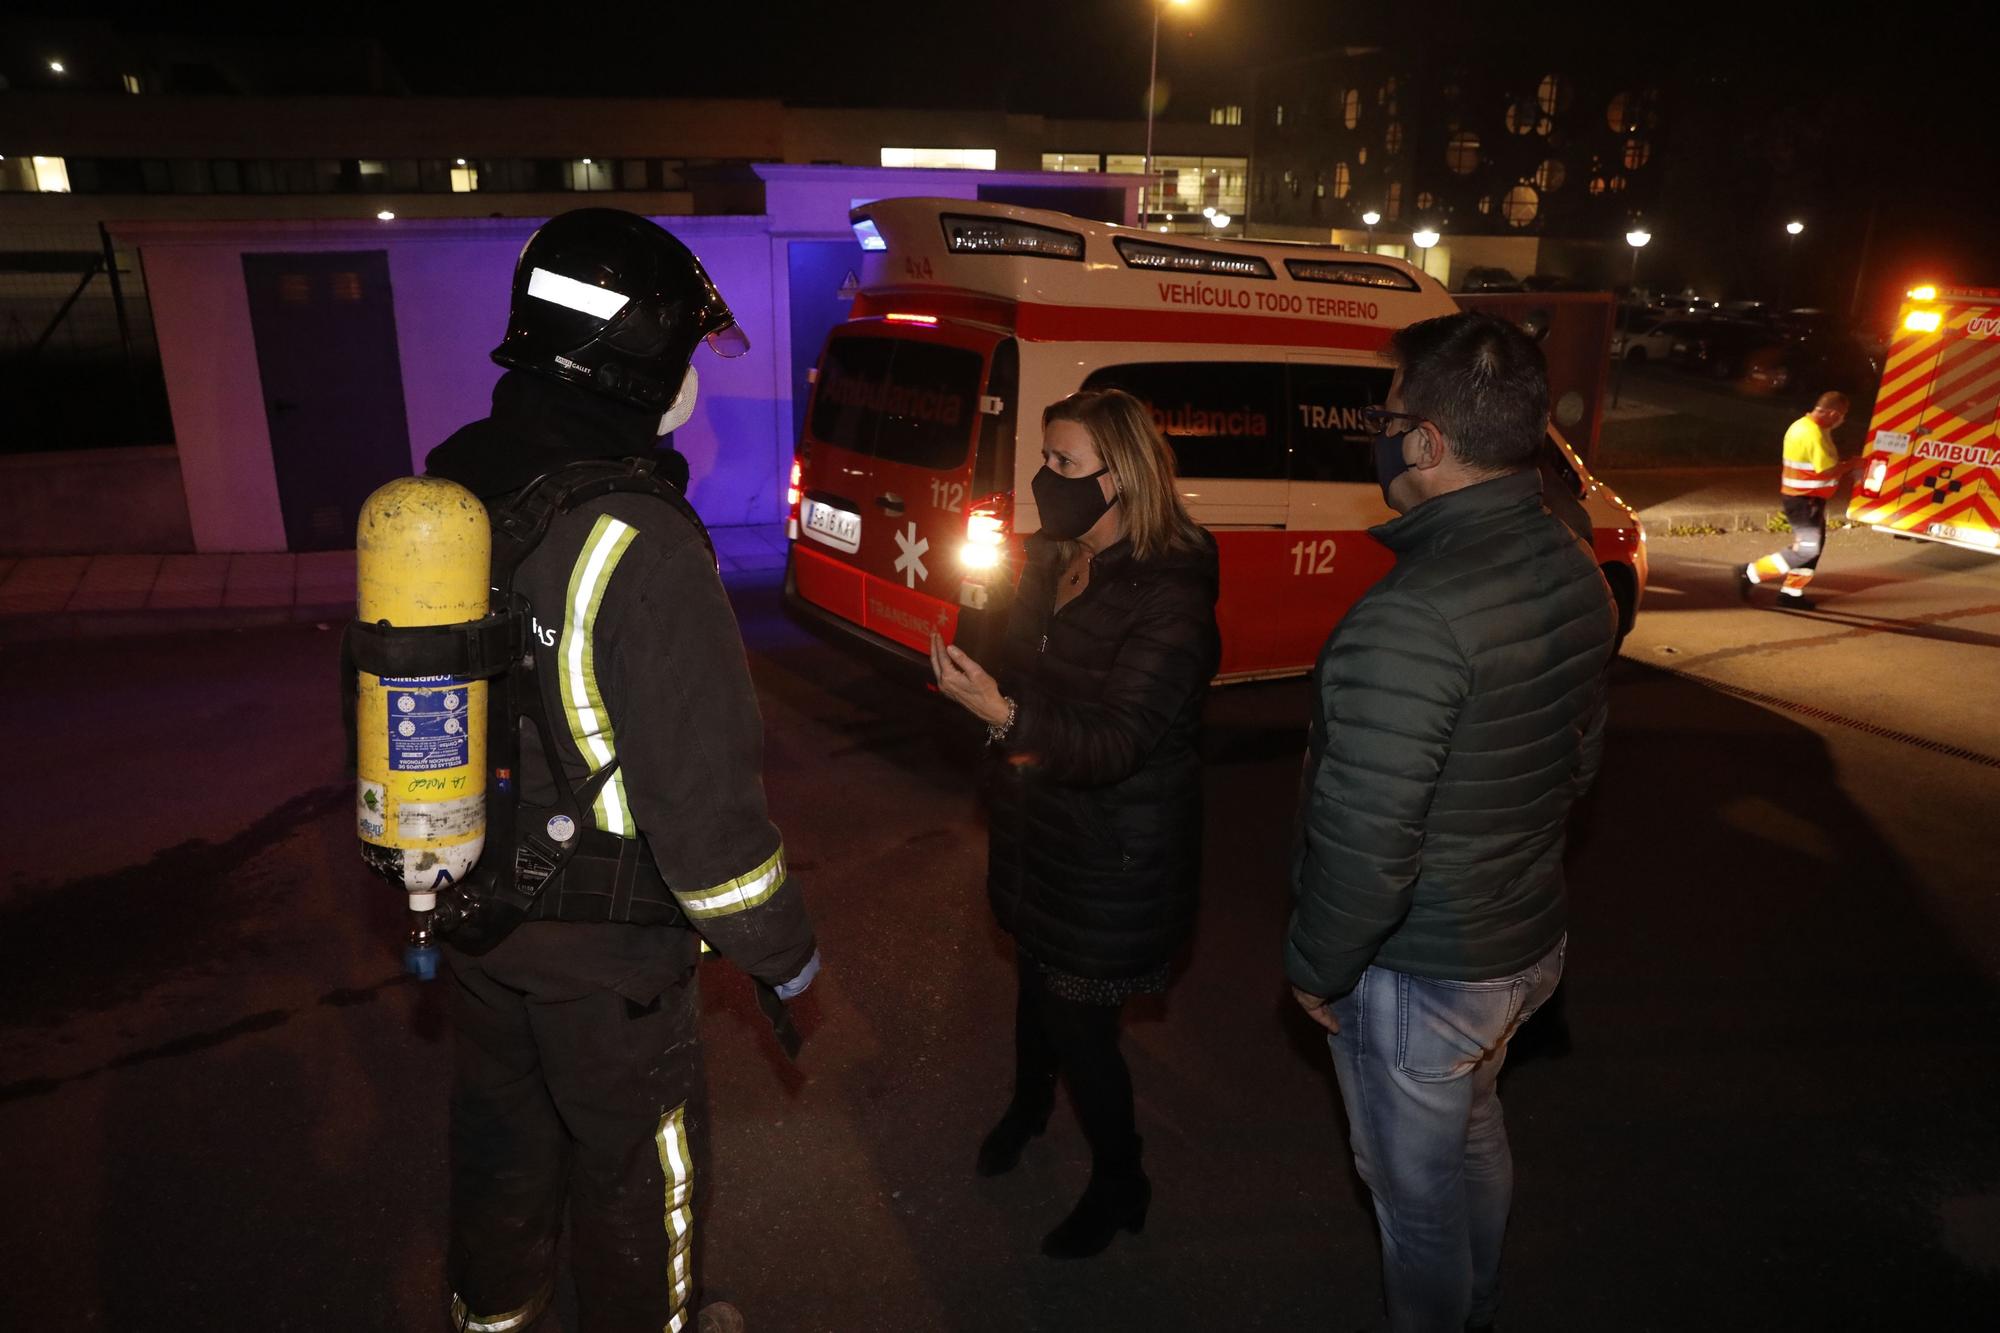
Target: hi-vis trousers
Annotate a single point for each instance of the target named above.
(1796, 563)
(568, 1092)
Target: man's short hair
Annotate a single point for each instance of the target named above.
(1830, 401)
(1482, 382)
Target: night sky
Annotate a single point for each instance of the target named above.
(1876, 92)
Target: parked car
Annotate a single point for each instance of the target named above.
(1815, 361)
(1652, 338)
(1724, 349)
(1490, 280)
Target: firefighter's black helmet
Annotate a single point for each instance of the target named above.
(611, 301)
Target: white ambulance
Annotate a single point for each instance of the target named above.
(910, 489)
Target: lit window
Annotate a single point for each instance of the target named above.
(1281, 113)
(1343, 180)
(1426, 201)
(1462, 153)
(1485, 203)
(1597, 185)
(1392, 138)
(1392, 203)
(1637, 153)
(1614, 113)
(1225, 115)
(131, 82)
(1550, 94)
(1550, 176)
(587, 174)
(1361, 155)
(464, 178)
(1069, 162)
(956, 159)
(1520, 205)
(1521, 118)
(1124, 164)
(1350, 108)
(50, 175)
(1615, 184)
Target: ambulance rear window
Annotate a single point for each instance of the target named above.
(898, 399)
(1965, 386)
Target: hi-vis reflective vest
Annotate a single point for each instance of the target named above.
(1812, 467)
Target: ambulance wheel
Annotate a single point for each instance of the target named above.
(1625, 592)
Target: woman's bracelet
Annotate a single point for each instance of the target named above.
(997, 731)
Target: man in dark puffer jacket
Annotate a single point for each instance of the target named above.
(1459, 713)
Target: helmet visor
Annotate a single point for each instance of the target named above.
(729, 341)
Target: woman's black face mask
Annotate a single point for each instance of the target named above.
(1070, 506)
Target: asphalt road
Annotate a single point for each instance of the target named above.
(1766, 1099)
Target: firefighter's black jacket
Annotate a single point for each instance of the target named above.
(640, 656)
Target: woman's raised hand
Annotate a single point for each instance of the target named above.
(966, 683)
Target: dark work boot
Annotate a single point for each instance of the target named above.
(1000, 1152)
(1115, 1200)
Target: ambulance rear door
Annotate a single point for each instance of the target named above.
(889, 440)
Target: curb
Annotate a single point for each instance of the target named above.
(56, 626)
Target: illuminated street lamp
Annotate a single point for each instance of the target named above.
(385, 216)
(1636, 238)
(57, 67)
(1152, 96)
(1219, 220)
(1425, 239)
(1368, 220)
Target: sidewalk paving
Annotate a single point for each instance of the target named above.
(68, 596)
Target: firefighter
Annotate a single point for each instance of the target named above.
(1813, 469)
(577, 1079)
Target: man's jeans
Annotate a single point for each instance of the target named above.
(1417, 1060)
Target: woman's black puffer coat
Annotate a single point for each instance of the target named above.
(1095, 856)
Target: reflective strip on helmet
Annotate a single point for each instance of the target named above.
(568, 292)
(463, 1318)
(677, 1165)
(583, 705)
(740, 894)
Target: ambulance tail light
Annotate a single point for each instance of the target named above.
(905, 317)
(793, 494)
(1878, 473)
(1923, 321)
(986, 525)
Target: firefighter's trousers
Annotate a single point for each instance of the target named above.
(1792, 568)
(578, 1084)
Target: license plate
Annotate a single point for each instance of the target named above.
(838, 528)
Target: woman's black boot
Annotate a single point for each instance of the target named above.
(1110, 1204)
(1000, 1152)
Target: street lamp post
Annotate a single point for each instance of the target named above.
(1425, 238)
(1152, 97)
(1636, 238)
(1792, 230)
(1369, 219)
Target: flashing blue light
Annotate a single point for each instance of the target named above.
(871, 239)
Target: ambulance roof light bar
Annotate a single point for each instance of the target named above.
(966, 235)
(1178, 259)
(1350, 274)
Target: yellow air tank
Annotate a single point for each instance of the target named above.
(422, 551)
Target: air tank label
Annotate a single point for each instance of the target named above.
(427, 723)
(442, 821)
(371, 808)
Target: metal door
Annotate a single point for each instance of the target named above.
(325, 327)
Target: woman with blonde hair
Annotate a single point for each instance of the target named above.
(1093, 710)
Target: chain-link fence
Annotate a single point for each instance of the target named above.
(79, 364)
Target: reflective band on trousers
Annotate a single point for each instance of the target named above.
(677, 1165)
(589, 722)
(465, 1321)
(740, 894)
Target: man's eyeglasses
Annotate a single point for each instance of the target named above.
(1383, 422)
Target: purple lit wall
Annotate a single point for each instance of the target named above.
(450, 280)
